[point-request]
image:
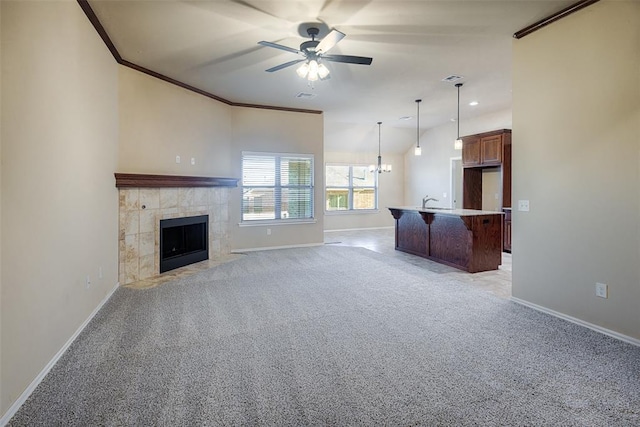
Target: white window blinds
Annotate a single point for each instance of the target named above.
(350, 188)
(277, 186)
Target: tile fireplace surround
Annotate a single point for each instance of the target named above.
(146, 199)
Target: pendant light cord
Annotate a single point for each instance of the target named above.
(458, 85)
(418, 101)
(379, 155)
(379, 123)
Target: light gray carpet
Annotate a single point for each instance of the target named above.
(333, 336)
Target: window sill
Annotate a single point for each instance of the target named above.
(352, 212)
(274, 222)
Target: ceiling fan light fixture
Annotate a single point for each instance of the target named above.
(323, 71)
(314, 51)
(313, 71)
(303, 70)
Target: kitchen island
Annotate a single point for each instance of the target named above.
(467, 239)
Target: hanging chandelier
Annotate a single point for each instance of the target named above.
(418, 150)
(381, 167)
(458, 142)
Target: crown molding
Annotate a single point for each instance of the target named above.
(93, 18)
(552, 18)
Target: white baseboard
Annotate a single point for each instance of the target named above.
(361, 229)
(27, 392)
(591, 326)
(269, 248)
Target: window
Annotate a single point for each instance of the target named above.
(277, 187)
(350, 188)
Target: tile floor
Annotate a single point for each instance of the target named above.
(382, 240)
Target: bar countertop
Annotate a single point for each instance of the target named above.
(446, 211)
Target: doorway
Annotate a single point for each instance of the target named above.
(456, 182)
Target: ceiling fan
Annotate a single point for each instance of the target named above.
(314, 53)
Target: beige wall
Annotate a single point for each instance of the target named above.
(388, 193)
(59, 203)
(1, 382)
(282, 132)
(159, 121)
(430, 173)
(491, 189)
(576, 157)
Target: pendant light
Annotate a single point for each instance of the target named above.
(380, 167)
(418, 150)
(458, 143)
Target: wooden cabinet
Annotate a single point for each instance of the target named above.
(480, 152)
(491, 150)
(485, 149)
(506, 237)
(470, 151)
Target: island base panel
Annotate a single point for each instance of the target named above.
(411, 234)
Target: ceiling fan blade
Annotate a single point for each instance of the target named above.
(285, 65)
(281, 47)
(329, 41)
(348, 59)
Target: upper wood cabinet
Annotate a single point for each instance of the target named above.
(491, 150)
(470, 151)
(485, 149)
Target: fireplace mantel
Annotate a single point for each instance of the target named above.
(131, 180)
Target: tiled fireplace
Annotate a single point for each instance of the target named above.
(147, 199)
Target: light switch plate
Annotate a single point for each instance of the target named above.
(523, 205)
(602, 290)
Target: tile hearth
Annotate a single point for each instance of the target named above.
(140, 212)
(185, 271)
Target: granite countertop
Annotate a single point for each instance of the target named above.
(446, 211)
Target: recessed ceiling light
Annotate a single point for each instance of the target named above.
(405, 118)
(473, 103)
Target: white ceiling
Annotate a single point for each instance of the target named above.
(212, 45)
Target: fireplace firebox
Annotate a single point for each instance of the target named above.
(183, 241)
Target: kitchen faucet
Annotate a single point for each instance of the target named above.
(425, 199)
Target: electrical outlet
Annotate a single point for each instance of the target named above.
(444, 195)
(602, 290)
(268, 232)
(523, 205)
(193, 161)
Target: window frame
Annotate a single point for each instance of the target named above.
(351, 210)
(278, 189)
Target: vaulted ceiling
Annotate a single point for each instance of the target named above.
(212, 45)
